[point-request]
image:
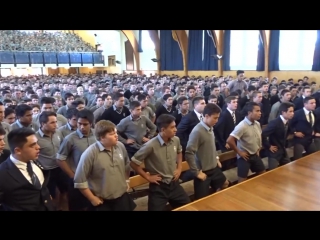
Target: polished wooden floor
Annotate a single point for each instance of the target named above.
(295, 186)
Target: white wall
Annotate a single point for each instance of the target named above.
(123, 39)
(187, 32)
(148, 53)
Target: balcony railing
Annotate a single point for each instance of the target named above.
(30, 58)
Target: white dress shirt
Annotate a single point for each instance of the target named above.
(22, 166)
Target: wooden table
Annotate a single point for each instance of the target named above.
(295, 186)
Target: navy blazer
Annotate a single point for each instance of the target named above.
(225, 126)
(275, 131)
(187, 123)
(18, 194)
(300, 123)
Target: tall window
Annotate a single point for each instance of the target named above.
(148, 53)
(244, 49)
(296, 49)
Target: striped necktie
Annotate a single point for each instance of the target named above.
(234, 118)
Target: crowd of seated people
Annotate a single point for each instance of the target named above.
(89, 111)
(19, 40)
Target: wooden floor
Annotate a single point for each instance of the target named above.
(294, 186)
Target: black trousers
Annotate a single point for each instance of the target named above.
(298, 149)
(76, 200)
(160, 195)
(123, 203)
(215, 179)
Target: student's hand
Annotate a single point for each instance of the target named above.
(299, 134)
(128, 187)
(273, 149)
(202, 176)
(96, 201)
(219, 164)
(154, 179)
(176, 174)
(244, 155)
(145, 139)
(130, 141)
(227, 146)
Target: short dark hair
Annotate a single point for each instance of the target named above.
(284, 91)
(141, 97)
(18, 137)
(250, 106)
(68, 95)
(166, 97)
(2, 131)
(8, 111)
(164, 120)
(22, 109)
(71, 112)
(44, 117)
(134, 104)
(76, 103)
(46, 100)
(284, 107)
(117, 96)
(307, 99)
(230, 98)
(180, 100)
(85, 114)
(211, 109)
(196, 100)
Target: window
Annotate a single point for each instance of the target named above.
(244, 49)
(111, 60)
(296, 49)
(148, 53)
(147, 43)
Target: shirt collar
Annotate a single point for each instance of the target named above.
(102, 148)
(248, 121)
(162, 143)
(209, 129)
(134, 120)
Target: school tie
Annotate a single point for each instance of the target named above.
(201, 117)
(234, 117)
(34, 179)
(310, 119)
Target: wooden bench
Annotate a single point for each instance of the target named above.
(138, 181)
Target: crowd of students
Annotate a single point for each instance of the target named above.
(20, 40)
(79, 138)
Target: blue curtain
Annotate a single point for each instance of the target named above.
(209, 63)
(140, 42)
(260, 58)
(226, 50)
(170, 53)
(316, 55)
(274, 50)
(195, 49)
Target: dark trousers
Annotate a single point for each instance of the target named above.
(278, 159)
(76, 200)
(123, 203)
(215, 179)
(254, 163)
(298, 149)
(160, 195)
(130, 150)
(58, 179)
